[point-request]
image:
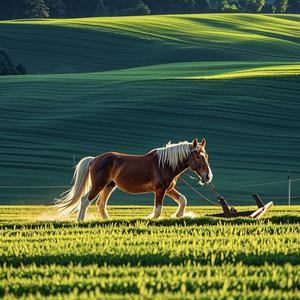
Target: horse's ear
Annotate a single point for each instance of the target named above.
(195, 143)
(203, 143)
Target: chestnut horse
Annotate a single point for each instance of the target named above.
(156, 172)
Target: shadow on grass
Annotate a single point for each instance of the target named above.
(151, 259)
(283, 219)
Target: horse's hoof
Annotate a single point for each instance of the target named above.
(190, 215)
(185, 215)
(175, 216)
(151, 217)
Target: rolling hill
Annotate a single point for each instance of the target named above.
(134, 83)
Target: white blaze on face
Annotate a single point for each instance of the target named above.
(210, 174)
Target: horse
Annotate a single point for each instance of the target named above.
(95, 178)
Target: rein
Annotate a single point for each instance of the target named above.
(212, 188)
(197, 192)
(210, 185)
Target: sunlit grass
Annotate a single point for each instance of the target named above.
(132, 258)
(98, 44)
(274, 71)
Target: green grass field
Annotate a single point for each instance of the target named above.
(132, 84)
(131, 258)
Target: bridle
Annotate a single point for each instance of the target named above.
(198, 166)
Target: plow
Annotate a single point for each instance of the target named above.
(228, 210)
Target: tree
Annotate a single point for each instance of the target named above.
(294, 6)
(227, 6)
(254, 6)
(280, 6)
(56, 8)
(35, 9)
(100, 9)
(142, 9)
(79, 8)
(4, 9)
(128, 7)
(202, 6)
(11, 9)
(7, 66)
(20, 69)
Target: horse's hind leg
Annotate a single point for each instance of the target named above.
(86, 200)
(102, 201)
(84, 204)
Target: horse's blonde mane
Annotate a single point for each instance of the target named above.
(173, 154)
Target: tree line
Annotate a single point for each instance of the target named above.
(8, 67)
(22, 9)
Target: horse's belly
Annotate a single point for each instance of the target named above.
(134, 188)
(132, 181)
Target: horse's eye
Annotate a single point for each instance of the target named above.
(198, 156)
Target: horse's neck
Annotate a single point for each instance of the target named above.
(181, 167)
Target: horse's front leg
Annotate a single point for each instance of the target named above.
(180, 199)
(158, 203)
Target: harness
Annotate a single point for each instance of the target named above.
(197, 165)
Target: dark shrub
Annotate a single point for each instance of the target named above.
(7, 66)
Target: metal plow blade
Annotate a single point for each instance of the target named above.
(230, 212)
(261, 210)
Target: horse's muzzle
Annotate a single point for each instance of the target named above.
(205, 179)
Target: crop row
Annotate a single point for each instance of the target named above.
(252, 244)
(203, 258)
(55, 280)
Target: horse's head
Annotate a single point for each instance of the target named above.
(198, 161)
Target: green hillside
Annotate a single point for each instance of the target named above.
(98, 44)
(134, 83)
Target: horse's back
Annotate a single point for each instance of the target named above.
(132, 173)
(119, 160)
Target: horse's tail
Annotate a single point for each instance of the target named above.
(69, 201)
